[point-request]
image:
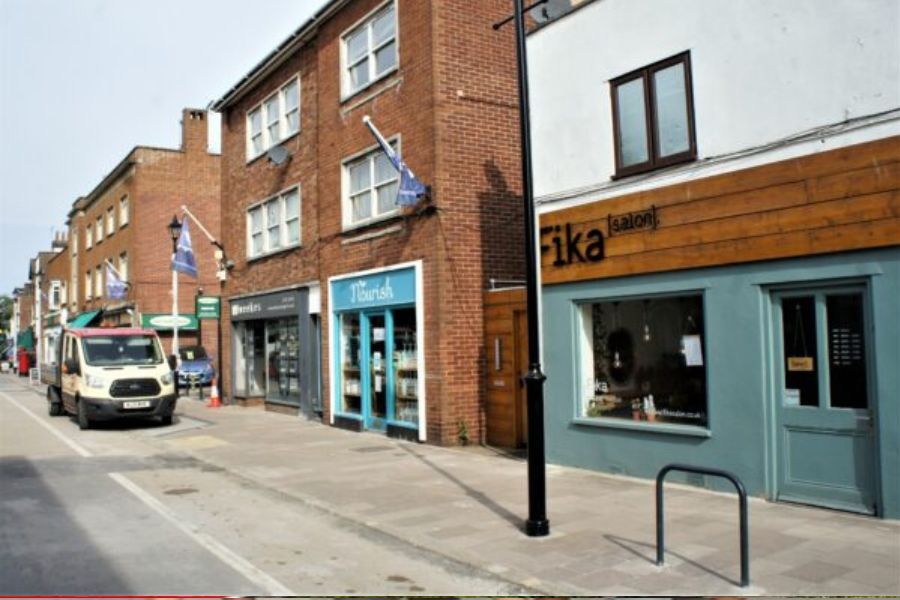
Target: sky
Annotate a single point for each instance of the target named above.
(82, 82)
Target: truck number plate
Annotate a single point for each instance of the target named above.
(136, 404)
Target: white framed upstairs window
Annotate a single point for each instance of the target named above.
(55, 295)
(123, 211)
(99, 229)
(274, 224)
(370, 184)
(369, 50)
(88, 285)
(274, 119)
(88, 237)
(73, 241)
(110, 221)
(98, 282)
(123, 267)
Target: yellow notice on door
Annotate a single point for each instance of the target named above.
(800, 363)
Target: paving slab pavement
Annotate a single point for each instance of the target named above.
(469, 504)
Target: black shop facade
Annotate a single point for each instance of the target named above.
(275, 349)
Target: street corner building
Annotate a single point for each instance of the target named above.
(720, 243)
(347, 305)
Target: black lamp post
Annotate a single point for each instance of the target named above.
(174, 232)
(537, 523)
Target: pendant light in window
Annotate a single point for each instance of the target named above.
(647, 337)
(617, 360)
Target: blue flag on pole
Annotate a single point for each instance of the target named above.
(115, 287)
(411, 189)
(184, 261)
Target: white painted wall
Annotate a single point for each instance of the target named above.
(763, 70)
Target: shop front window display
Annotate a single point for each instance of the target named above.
(644, 360)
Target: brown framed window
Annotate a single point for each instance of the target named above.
(653, 116)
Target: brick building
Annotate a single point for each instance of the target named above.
(123, 222)
(54, 282)
(342, 304)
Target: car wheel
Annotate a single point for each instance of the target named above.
(166, 420)
(83, 421)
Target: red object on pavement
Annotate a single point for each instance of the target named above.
(214, 400)
(22, 364)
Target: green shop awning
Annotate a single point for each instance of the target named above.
(26, 339)
(84, 319)
(164, 322)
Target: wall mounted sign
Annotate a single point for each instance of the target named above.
(163, 322)
(208, 307)
(378, 289)
(569, 245)
(267, 306)
(800, 363)
(633, 221)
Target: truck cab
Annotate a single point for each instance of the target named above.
(108, 373)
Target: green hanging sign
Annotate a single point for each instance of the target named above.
(209, 307)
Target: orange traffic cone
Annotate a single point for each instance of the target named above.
(214, 400)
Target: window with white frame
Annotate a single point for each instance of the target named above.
(274, 224)
(88, 285)
(123, 267)
(55, 295)
(275, 119)
(98, 282)
(99, 229)
(371, 183)
(110, 221)
(73, 235)
(370, 50)
(88, 237)
(123, 211)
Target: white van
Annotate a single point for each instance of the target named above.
(108, 373)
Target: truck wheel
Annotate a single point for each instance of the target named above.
(54, 402)
(83, 421)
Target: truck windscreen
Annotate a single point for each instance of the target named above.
(114, 351)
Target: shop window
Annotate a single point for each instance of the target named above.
(653, 116)
(274, 225)
(371, 183)
(406, 370)
(283, 360)
(644, 360)
(249, 364)
(369, 51)
(275, 119)
(351, 380)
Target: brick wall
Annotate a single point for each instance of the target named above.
(452, 103)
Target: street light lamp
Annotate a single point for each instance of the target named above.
(174, 232)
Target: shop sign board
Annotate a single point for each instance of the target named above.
(208, 307)
(162, 322)
(267, 306)
(377, 289)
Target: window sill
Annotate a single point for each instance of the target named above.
(251, 259)
(253, 159)
(357, 228)
(685, 430)
(347, 96)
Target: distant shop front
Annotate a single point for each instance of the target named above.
(276, 349)
(377, 366)
(710, 332)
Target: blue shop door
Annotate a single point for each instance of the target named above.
(375, 396)
(825, 441)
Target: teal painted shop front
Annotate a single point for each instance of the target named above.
(784, 372)
(377, 351)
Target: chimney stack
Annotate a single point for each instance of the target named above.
(194, 129)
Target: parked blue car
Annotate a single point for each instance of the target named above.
(196, 365)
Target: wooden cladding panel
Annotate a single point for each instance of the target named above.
(502, 387)
(844, 199)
